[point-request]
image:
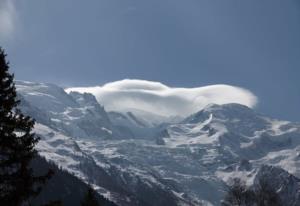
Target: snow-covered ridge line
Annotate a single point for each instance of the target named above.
(178, 162)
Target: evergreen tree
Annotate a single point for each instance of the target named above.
(54, 203)
(17, 142)
(90, 198)
(266, 195)
(240, 195)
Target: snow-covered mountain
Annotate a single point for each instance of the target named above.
(184, 163)
(77, 115)
(133, 125)
(147, 119)
(140, 124)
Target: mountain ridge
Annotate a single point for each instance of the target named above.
(186, 162)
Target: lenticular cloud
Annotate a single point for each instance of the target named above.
(160, 99)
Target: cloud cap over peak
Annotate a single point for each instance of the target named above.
(161, 99)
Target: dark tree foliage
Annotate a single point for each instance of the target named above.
(90, 198)
(54, 203)
(239, 195)
(62, 186)
(266, 195)
(17, 142)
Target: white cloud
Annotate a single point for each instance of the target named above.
(7, 18)
(158, 98)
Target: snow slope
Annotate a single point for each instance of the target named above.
(77, 115)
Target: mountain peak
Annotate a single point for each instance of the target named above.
(222, 111)
(84, 99)
(224, 107)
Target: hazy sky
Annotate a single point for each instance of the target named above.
(254, 44)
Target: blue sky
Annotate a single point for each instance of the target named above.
(181, 43)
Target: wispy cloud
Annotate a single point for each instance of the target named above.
(7, 18)
(158, 98)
